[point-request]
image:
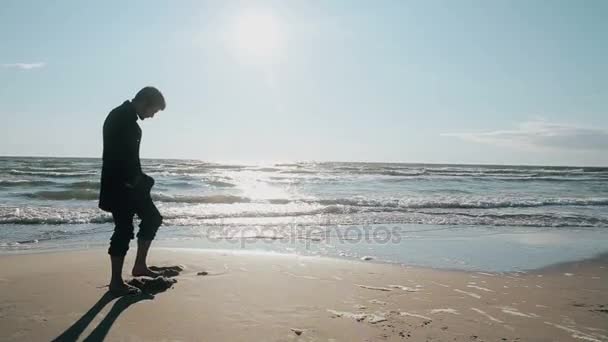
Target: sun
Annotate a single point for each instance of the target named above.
(257, 36)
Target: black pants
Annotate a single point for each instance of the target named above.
(123, 229)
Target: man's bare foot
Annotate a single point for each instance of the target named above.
(145, 272)
(122, 289)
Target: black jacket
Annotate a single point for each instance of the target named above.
(121, 164)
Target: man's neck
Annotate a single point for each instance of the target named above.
(137, 107)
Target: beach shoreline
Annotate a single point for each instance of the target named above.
(281, 297)
(597, 258)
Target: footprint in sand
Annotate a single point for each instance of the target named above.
(152, 285)
(167, 271)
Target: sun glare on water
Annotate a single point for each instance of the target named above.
(256, 36)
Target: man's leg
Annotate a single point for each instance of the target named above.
(119, 245)
(150, 221)
(141, 266)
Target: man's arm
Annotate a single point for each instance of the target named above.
(123, 151)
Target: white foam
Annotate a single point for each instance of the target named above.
(373, 287)
(373, 318)
(356, 316)
(474, 295)
(403, 313)
(447, 310)
(375, 301)
(487, 274)
(404, 288)
(487, 315)
(594, 329)
(440, 284)
(480, 288)
(514, 312)
(301, 276)
(575, 333)
(568, 274)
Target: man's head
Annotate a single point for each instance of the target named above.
(148, 101)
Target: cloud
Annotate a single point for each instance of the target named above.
(24, 66)
(542, 134)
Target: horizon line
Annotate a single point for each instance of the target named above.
(235, 162)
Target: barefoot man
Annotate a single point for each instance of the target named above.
(125, 189)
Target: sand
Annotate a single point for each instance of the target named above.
(239, 296)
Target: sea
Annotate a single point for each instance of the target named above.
(474, 217)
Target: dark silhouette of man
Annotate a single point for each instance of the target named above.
(125, 189)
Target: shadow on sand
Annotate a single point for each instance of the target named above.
(149, 287)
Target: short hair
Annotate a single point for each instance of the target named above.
(151, 96)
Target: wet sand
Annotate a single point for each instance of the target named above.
(234, 296)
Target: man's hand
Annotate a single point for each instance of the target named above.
(141, 182)
(135, 183)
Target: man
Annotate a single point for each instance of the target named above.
(125, 189)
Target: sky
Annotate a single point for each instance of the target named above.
(492, 82)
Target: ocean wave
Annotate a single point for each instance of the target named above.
(89, 191)
(470, 202)
(53, 235)
(463, 202)
(54, 220)
(53, 174)
(220, 184)
(290, 164)
(485, 172)
(191, 168)
(484, 203)
(31, 215)
(299, 172)
(83, 185)
(180, 184)
(303, 216)
(64, 195)
(394, 173)
(24, 183)
(267, 169)
(472, 173)
(215, 199)
(549, 179)
(47, 169)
